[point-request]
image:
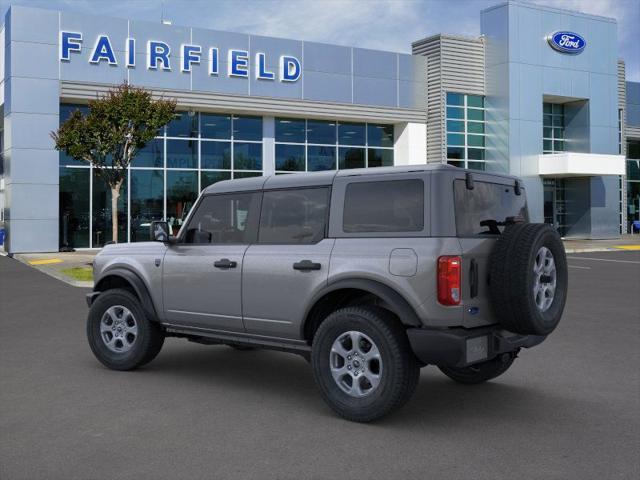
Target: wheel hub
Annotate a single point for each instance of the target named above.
(544, 280)
(356, 364)
(118, 329)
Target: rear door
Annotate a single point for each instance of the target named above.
(289, 263)
(480, 216)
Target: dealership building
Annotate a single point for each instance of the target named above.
(541, 94)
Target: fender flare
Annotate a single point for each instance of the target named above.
(397, 303)
(138, 285)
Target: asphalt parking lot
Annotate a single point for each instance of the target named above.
(569, 408)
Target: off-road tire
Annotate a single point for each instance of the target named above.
(512, 278)
(480, 372)
(400, 372)
(148, 342)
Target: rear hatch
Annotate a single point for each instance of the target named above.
(483, 205)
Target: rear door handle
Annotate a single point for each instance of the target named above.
(306, 265)
(473, 278)
(225, 263)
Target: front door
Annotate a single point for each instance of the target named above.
(202, 273)
(288, 264)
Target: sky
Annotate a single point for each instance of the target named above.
(378, 24)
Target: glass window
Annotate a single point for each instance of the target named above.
(455, 126)
(476, 165)
(321, 158)
(296, 216)
(473, 114)
(184, 124)
(290, 130)
(455, 152)
(351, 157)
(484, 209)
(454, 112)
(247, 128)
(378, 157)
(455, 98)
(290, 158)
(74, 207)
(475, 127)
(215, 155)
(475, 101)
(247, 156)
(215, 126)
(379, 135)
(633, 149)
(224, 219)
(456, 164)
(147, 202)
(455, 139)
(66, 109)
(633, 169)
(475, 153)
(384, 206)
(102, 231)
(246, 174)
(182, 191)
(351, 133)
(182, 154)
(209, 178)
(475, 140)
(320, 131)
(151, 155)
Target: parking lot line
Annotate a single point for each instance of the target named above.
(582, 268)
(603, 260)
(47, 261)
(627, 247)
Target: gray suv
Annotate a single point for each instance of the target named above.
(368, 274)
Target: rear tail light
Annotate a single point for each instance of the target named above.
(449, 280)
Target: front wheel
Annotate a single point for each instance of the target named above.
(480, 372)
(120, 334)
(363, 364)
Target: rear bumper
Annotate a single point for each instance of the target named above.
(460, 347)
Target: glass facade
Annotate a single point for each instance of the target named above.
(552, 128)
(633, 182)
(305, 145)
(465, 130)
(192, 152)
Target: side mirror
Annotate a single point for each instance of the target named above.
(159, 231)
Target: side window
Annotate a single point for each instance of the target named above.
(221, 219)
(384, 206)
(296, 216)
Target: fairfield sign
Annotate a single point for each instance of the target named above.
(159, 56)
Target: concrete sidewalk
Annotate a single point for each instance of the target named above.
(626, 242)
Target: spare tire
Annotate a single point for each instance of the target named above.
(528, 278)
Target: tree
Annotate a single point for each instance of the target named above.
(117, 126)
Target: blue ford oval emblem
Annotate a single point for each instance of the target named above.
(567, 42)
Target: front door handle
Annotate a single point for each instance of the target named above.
(306, 265)
(225, 263)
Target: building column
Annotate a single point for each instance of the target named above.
(268, 146)
(31, 113)
(410, 146)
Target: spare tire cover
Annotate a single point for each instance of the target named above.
(528, 278)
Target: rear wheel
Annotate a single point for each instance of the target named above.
(363, 364)
(120, 334)
(480, 372)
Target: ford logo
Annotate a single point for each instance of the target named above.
(567, 42)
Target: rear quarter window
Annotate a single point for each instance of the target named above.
(384, 206)
(484, 210)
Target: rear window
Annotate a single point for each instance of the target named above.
(484, 210)
(296, 216)
(384, 206)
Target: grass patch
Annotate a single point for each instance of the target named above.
(81, 274)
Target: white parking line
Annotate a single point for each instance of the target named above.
(604, 260)
(583, 268)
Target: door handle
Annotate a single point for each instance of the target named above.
(306, 265)
(225, 263)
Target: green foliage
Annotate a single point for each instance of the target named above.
(117, 126)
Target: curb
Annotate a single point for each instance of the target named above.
(56, 275)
